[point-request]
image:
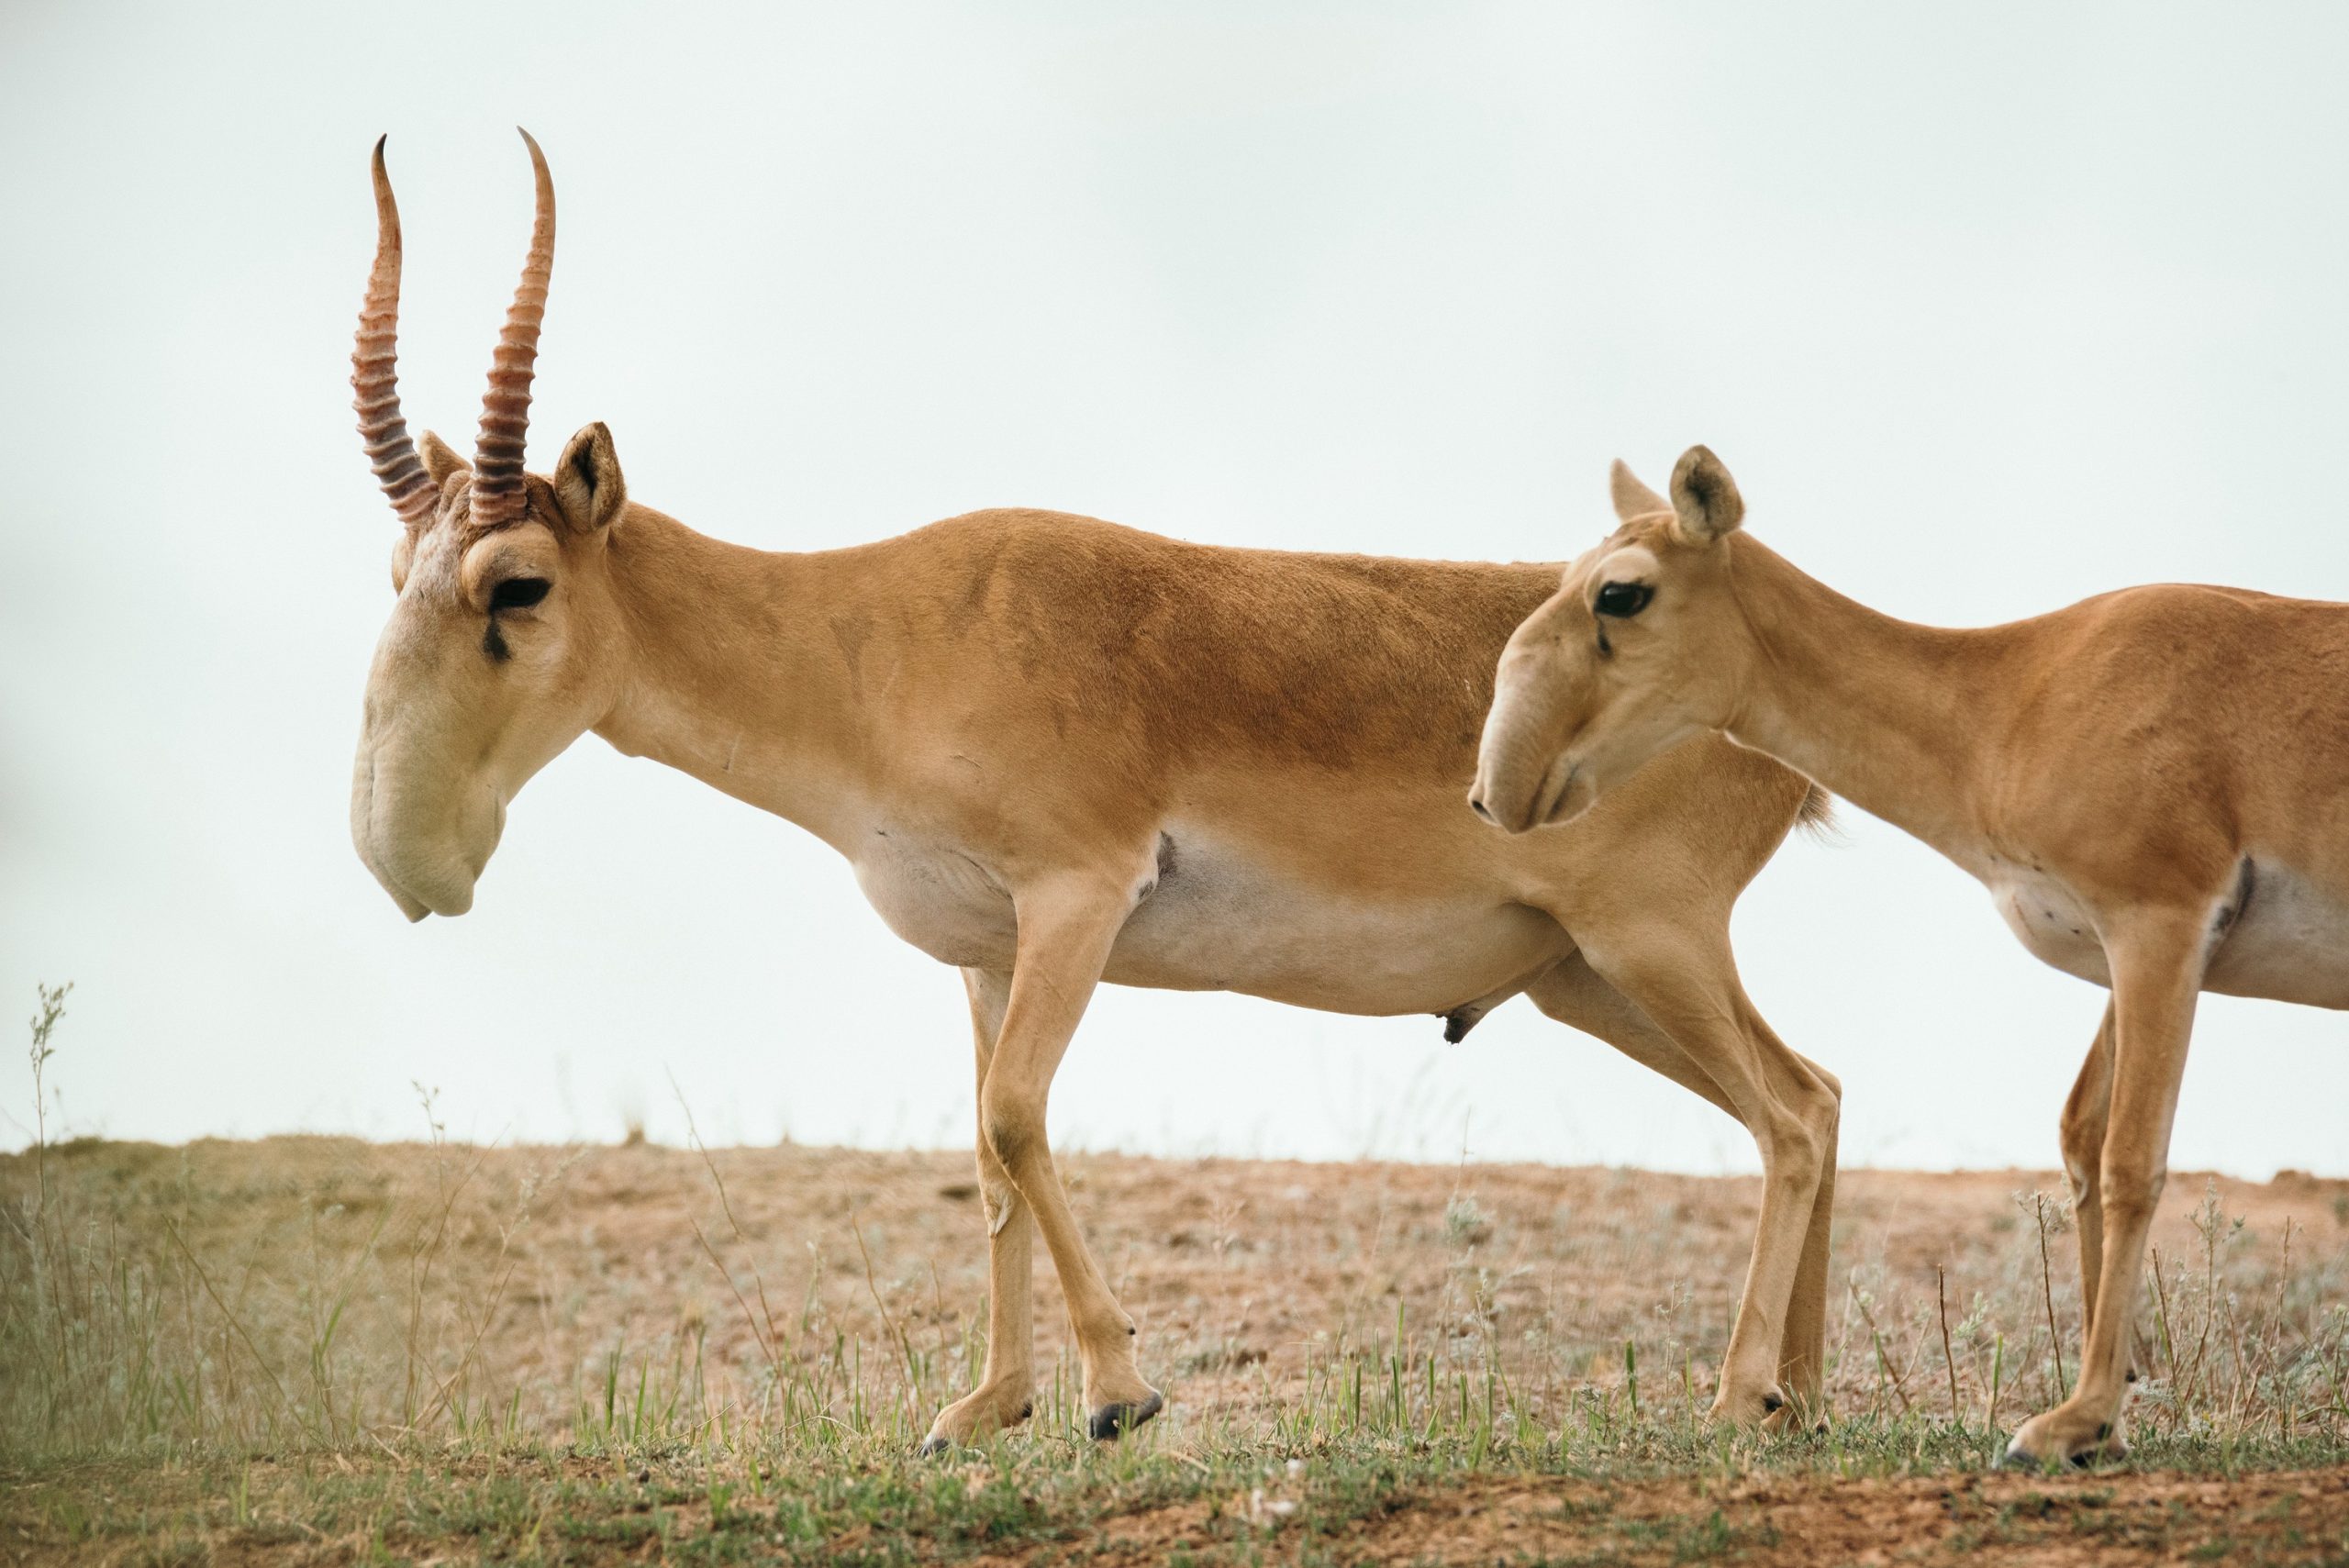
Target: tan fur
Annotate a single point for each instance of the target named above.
(1081, 714)
(1059, 751)
(2149, 781)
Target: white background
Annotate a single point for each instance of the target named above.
(1988, 309)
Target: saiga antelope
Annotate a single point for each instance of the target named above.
(1057, 752)
(2149, 782)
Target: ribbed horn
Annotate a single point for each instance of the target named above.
(373, 370)
(506, 409)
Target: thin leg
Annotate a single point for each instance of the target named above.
(2156, 962)
(1686, 981)
(1065, 933)
(1007, 1385)
(1802, 1355)
(2085, 1114)
(1574, 995)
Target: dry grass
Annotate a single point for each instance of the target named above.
(330, 1349)
(305, 1292)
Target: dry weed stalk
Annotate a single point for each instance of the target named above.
(158, 1301)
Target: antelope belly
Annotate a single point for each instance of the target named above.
(1220, 919)
(1217, 918)
(2047, 917)
(2290, 943)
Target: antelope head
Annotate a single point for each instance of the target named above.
(1627, 659)
(504, 642)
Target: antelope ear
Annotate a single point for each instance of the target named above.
(1705, 501)
(1633, 500)
(587, 481)
(440, 460)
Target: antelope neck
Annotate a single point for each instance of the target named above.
(1900, 719)
(732, 675)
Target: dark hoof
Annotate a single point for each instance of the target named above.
(1112, 1419)
(2086, 1459)
(935, 1444)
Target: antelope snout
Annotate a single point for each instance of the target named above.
(1494, 807)
(1517, 793)
(425, 849)
(1506, 794)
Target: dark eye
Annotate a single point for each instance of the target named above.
(1623, 599)
(517, 593)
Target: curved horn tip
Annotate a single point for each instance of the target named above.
(387, 213)
(498, 483)
(539, 166)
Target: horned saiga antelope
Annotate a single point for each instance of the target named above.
(2149, 782)
(1058, 753)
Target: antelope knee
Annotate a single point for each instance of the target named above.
(2130, 1195)
(1827, 1111)
(1800, 1147)
(1013, 1126)
(1804, 1131)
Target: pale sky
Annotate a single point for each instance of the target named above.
(1989, 308)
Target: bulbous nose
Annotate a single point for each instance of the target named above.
(1476, 804)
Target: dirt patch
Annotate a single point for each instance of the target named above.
(606, 1353)
(1243, 1275)
(1795, 1522)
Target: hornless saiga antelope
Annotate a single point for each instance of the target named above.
(2149, 782)
(1057, 752)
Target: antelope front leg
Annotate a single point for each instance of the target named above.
(1065, 933)
(2085, 1114)
(1005, 1395)
(2156, 977)
(1685, 982)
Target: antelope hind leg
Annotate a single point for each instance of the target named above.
(1802, 1352)
(1576, 994)
(1682, 976)
(2156, 962)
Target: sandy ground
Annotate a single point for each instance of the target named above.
(1235, 1271)
(1245, 1277)
(1796, 1522)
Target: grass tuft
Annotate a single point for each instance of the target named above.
(556, 1354)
